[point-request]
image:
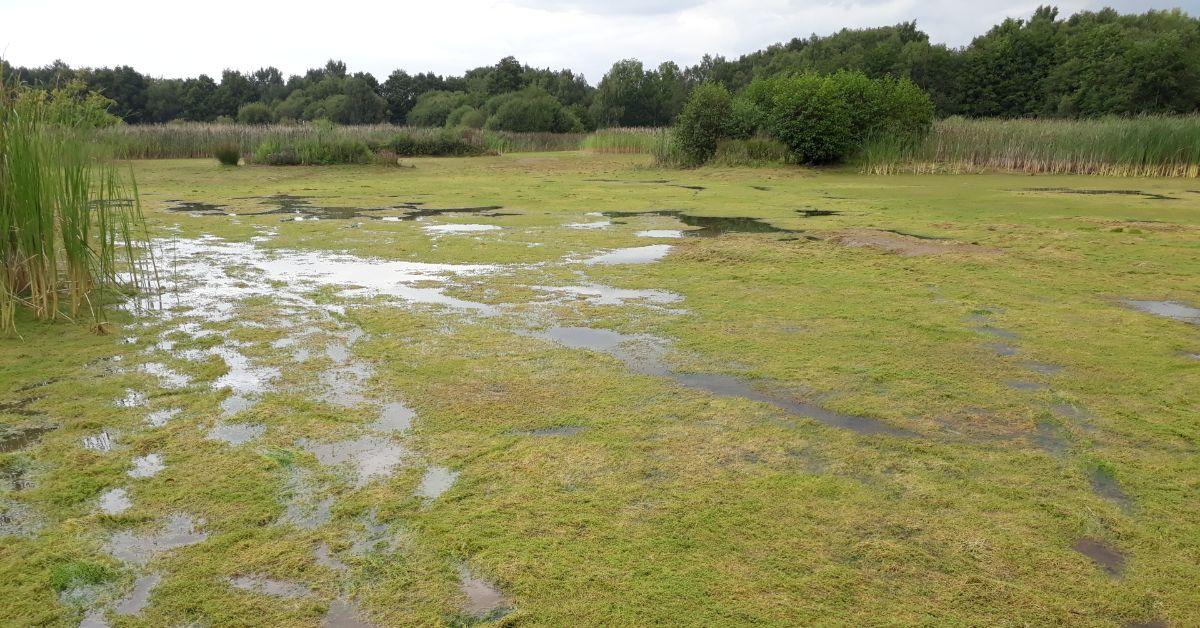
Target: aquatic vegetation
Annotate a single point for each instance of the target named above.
(71, 227)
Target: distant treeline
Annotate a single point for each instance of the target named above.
(1090, 64)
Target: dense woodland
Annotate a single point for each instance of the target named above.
(1089, 64)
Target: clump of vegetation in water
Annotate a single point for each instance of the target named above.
(71, 228)
(228, 154)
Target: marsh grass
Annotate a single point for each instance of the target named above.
(191, 140)
(644, 140)
(1151, 146)
(71, 228)
(228, 154)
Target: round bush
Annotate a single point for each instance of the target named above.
(703, 122)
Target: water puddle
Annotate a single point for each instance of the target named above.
(644, 355)
(132, 399)
(459, 228)
(147, 466)
(1147, 195)
(394, 417)
(414, 211)
(709, 226)
(344, 385)
(179, 530)
(139, 598)
(256, 583)
(483, 600)
(197, 209)
(1001, 349)
(599, 224)
(1105, 485)
(159, 418)
(1024, 385)
(597, 294)
(1169, 309)
(15, 440)
(633, 255)
(558, 430)
(245, 381)
(301, 208)
(18, 519)
(236, 433)
(660, 233)
(1041, 367)
(304, 510)
(101, 442)
(816, 213)
(1107, 557)
(371, 456)
(323, 556)
(20, 407)
(115, 501)
(437, 480)
(167, 377)
(992, 330)
(343, 613)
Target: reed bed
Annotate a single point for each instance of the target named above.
(188, 140)
(646, 140)
(1151, 146)
(71, 228)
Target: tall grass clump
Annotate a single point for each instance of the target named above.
(71, 228)
(228, 154)
(1149, 146)
(324, 149)
(645, 140)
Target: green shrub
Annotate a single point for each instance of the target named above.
(703, 122)
(255, 113)
(753, 151)
(745, 118)
(466, 116)
(227, 154)
(444, 144)
(434, 107)
(530, 110)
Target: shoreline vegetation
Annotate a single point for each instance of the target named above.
(1152, 146)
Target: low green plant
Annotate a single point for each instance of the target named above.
(228, 154)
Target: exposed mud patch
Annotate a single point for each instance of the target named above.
(906, 245)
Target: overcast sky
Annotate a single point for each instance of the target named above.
(165, 38)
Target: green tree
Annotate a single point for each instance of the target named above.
(703, 122)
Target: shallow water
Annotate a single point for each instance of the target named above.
(1169, 309)
(598, 294)
(115, 501)
(1107, 557)
(1105, 485)
(394, 417)
(236, 433)
(257, 583)
(159, 418)
(101, 442)
(632, 255)
(139, 597)
(179, 530)
(660, 233)
(483, 599)
(370, 456)
(16, 440)
(344, 614)
(558, 430)
(459, 228)
(437, 480)
(709, 226)
(645, 355)
(147, 466)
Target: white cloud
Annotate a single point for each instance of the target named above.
(169, 39)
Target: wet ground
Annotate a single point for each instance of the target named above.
(435, 412)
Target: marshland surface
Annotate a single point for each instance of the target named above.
(575, 389)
